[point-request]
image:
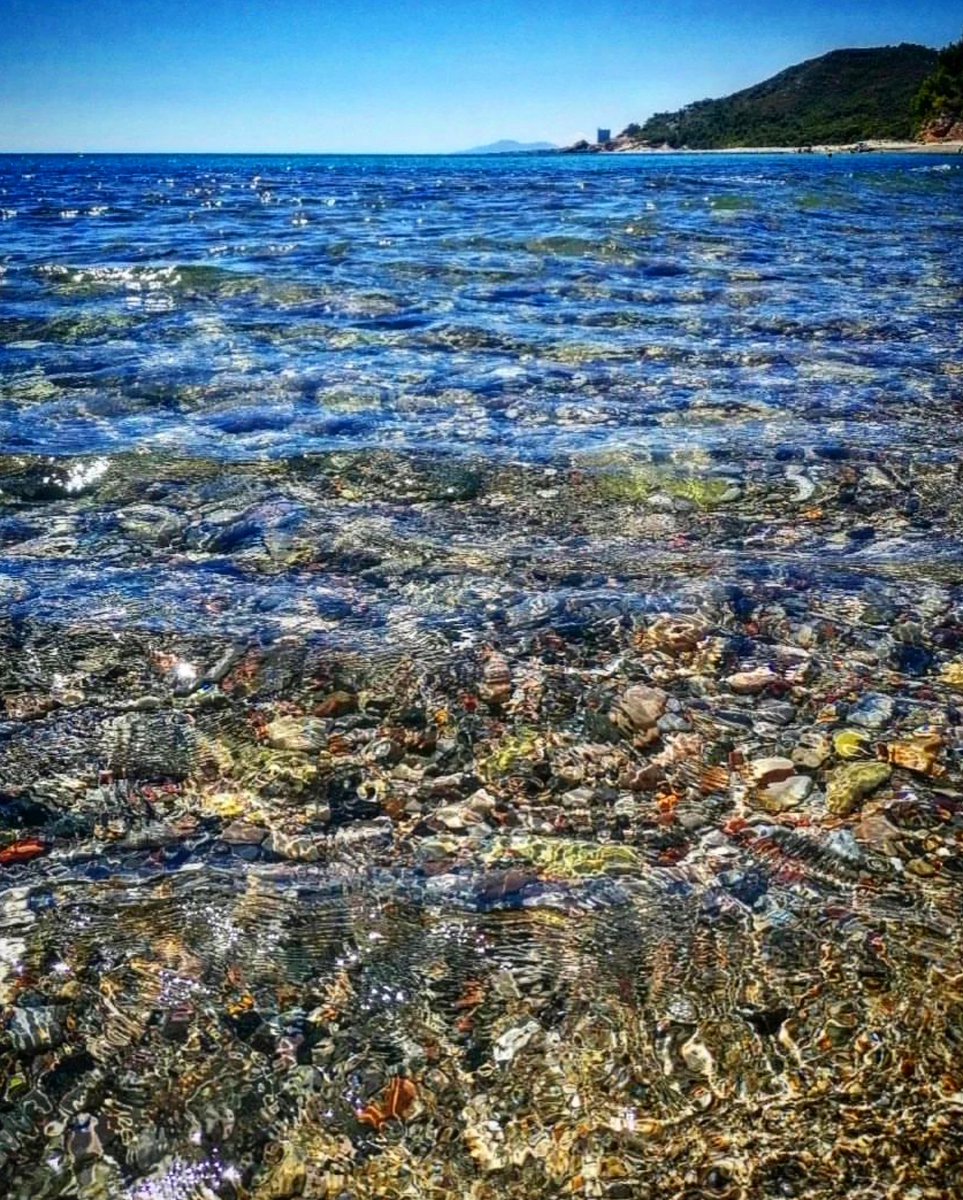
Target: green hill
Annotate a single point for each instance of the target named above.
(844, 96)
(939, 103)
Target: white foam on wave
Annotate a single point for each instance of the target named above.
(130, 278)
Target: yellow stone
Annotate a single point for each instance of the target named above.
(850, 743)
(850, 784)
(952, 673)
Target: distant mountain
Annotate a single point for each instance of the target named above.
(510, 147)
(844, 96)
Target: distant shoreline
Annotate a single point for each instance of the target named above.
(926, 148)
(867, 147)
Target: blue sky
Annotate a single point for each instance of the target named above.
(424, 75)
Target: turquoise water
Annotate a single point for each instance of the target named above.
(481, 658)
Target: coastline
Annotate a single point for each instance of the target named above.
(868, 147)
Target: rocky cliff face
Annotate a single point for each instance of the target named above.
(943, 129)
(938, 106)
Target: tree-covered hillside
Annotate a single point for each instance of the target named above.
(844, 96)
(939, 103)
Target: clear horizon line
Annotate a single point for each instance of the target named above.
(275, 153)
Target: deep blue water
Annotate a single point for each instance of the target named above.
(240, 306)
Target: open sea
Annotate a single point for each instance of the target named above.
(481, 677)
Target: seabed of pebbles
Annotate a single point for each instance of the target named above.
(481, 675)
(590, 830)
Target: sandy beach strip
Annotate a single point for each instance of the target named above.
(874, 147)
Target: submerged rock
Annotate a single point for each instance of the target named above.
(302, 734)
(32, 1030)
(749, 683)
(851, 743)
(811, 750)
(873, 711)
(151, 524)
(919, 754)
(639, 707)
(162, 745)
(764, 771)
(513, 1041)
(849, 785)
(785, 793)
(496, 683)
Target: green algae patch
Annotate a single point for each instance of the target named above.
(732, 203)
(702, 492)
(567, 859)
(511, 752)
(637, 484)
(850, 785)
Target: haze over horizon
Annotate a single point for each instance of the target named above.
(299, 76)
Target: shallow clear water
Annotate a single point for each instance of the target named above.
(239, 307)
(346, 504)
